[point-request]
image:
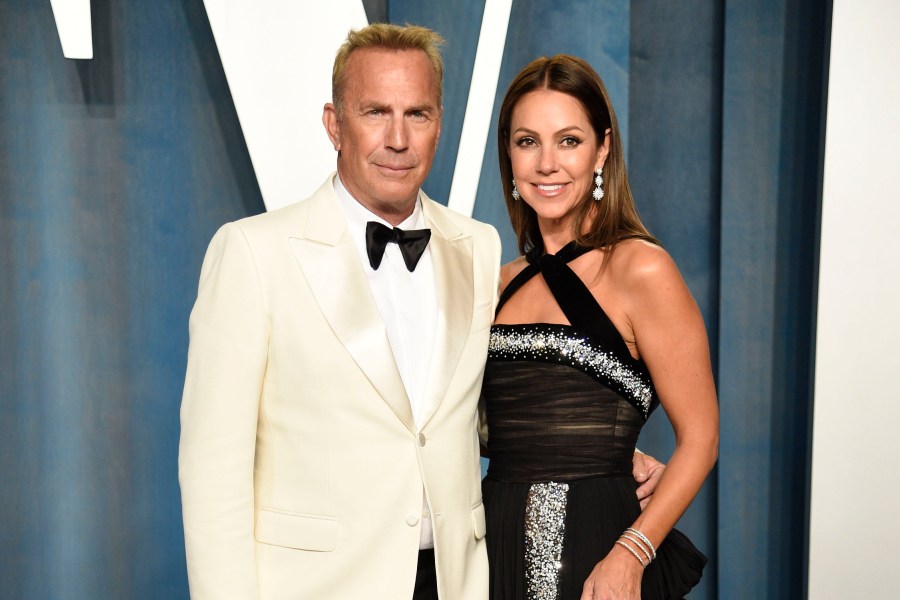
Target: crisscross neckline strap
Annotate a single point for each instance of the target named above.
(577, 302)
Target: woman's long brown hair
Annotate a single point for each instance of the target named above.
(596, 224)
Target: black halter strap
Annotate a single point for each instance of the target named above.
(571, 294)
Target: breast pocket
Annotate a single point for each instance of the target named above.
(302, 532)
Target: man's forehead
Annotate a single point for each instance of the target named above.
(366, 81)
(370, 60)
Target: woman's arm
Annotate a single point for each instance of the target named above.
(667, 328)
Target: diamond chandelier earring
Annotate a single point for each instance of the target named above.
(598, 183)
(515, 193)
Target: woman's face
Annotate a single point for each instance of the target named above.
(554, 152)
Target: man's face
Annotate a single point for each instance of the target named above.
(388, 130)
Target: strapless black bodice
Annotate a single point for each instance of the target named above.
(552, 413)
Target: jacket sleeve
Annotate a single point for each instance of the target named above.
(229, 332)
(493, 253)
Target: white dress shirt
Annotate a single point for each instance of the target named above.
(407, 302)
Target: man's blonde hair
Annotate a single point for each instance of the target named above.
(386, 36)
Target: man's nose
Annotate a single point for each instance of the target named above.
(397, 137)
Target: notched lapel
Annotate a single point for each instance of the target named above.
(333, 270)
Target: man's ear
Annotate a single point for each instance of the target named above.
(332, 125)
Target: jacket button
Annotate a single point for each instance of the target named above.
(412, 519)
(421, 439)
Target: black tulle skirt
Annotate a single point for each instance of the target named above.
(598, 510)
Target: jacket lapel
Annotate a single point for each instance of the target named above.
(451, 255)
(333, 269)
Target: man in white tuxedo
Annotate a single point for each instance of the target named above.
(329, 445)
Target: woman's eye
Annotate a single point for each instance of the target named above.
(525, 141)
(570, 141)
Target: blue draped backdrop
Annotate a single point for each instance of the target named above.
(115, 172)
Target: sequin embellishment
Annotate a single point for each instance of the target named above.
(545, 527)
(550, 343)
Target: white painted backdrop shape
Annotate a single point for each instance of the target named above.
(277, 56)
(73, 23)
(855, 494)
(477, 122)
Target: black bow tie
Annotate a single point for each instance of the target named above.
(412, 243)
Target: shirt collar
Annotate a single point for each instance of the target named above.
(358, 215)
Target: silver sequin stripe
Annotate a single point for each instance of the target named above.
(545, 528)
(544, 345)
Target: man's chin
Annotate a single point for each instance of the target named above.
(397, 192)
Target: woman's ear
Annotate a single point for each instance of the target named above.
(603, 151)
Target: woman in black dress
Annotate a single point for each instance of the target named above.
(594, 329)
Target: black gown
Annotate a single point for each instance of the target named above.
(565, 405)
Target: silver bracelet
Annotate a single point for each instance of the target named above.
(630, 549)
(643, 539)
(638, 544)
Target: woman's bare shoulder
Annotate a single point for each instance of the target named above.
(509, 271)
(638, 262)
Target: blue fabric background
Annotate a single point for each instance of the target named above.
(115, 172)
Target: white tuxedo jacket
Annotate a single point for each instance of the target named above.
(301, 468)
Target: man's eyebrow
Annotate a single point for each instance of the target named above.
(367, 104)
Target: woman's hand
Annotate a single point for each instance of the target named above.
(616, 577)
